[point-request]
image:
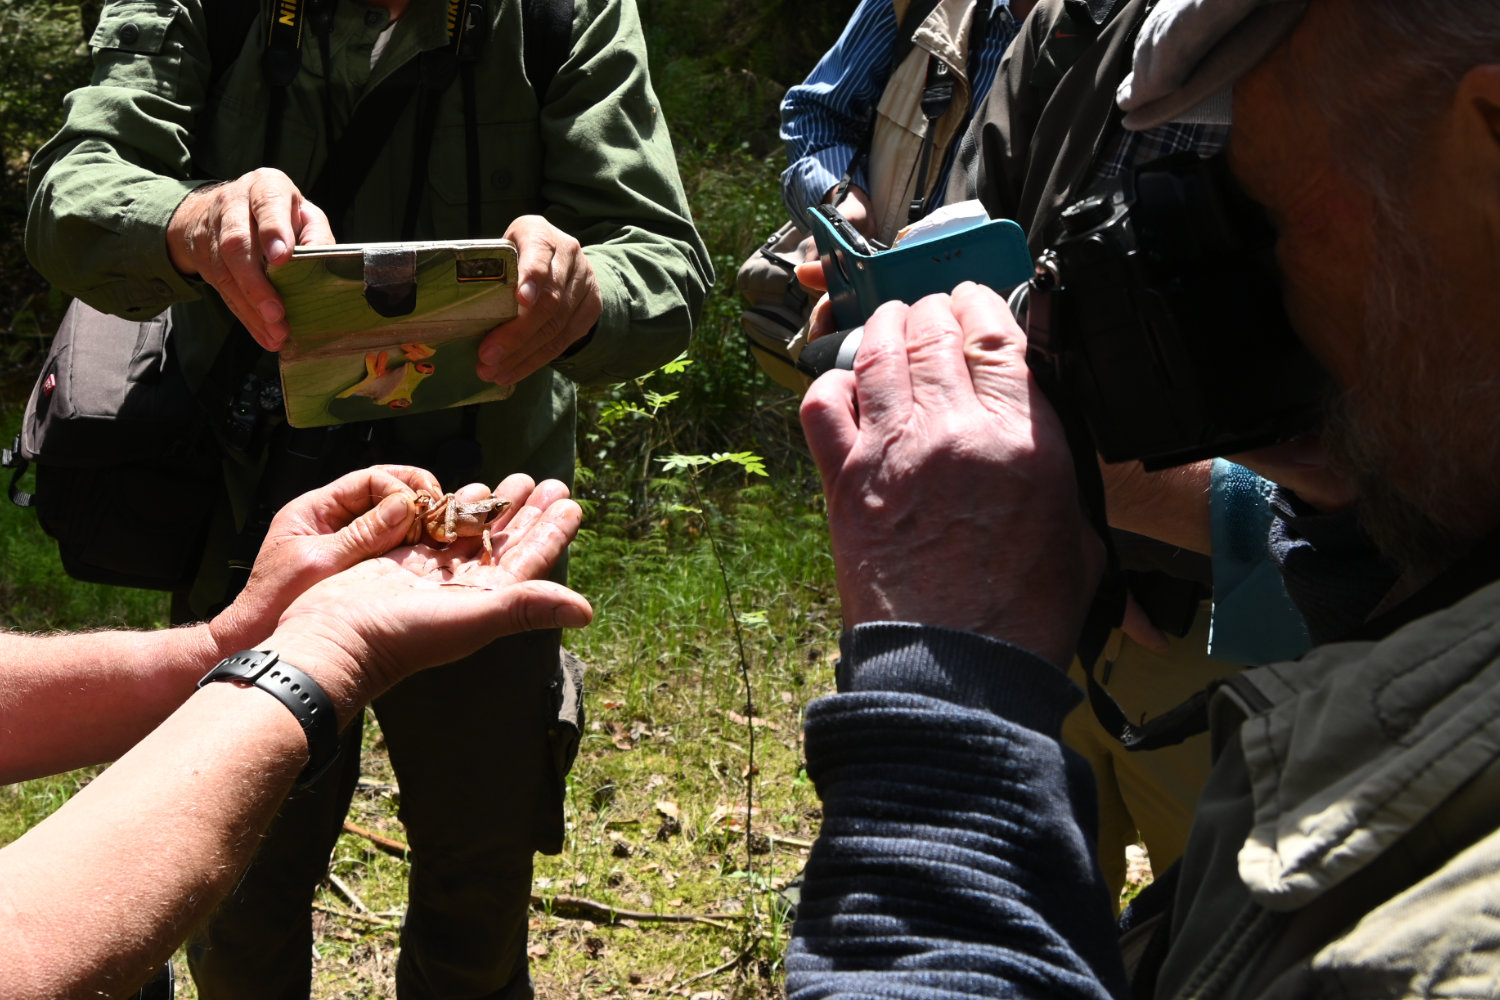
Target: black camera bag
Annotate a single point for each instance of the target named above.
(126, 472)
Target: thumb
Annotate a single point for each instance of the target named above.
(373, 533)
(538, 604)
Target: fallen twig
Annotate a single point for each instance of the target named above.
(734, 962)
(577, 906)
(351, 915)
(568, 906)
(797, 842)
(380, 840)
(342, 888)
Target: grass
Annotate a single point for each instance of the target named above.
(656, 805)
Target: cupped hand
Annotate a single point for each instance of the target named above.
(558, 300)
(228, 233)
(383, 619)
(324, 531)
(950, 487)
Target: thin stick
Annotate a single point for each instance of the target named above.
(386, 844)
(577, 906)
(562, 906)
(351, 915)
(348, 893)
(732, 963)
(797, 842)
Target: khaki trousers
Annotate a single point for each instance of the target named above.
(1146, 795)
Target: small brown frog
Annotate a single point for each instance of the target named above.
(445, 519)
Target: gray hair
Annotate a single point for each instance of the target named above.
(1387, 78)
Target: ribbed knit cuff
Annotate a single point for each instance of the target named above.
(961, 667)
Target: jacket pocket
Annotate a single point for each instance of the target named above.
(509, 175)
(133, 46)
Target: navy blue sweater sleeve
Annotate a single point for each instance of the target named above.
(956, 857)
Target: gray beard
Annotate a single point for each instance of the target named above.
(1420, 435)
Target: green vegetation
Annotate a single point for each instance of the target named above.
(657, 803)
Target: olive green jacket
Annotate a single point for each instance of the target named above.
(594, 158)
(1348, 843)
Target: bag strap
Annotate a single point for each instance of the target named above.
(228, 22)
(906, 30)
(546, 38)
(11, 458)
(937, 98)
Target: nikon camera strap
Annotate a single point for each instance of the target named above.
(547, 38)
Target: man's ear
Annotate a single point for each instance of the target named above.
(1477, 103)
(1476, 116)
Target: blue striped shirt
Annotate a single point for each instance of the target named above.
(824, 119)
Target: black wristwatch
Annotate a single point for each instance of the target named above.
(298, 692)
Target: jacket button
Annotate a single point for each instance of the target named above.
(129, 34)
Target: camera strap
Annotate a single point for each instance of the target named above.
(937, 98)
(1107, 609)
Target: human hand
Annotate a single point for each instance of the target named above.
(820, 321)
(324, 531)
(857, 208)
(360, 631)
(558, 297)
(1302, 466)
(950, 486)
(1139, 627)
(227, 234)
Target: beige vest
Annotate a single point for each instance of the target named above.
(896, 143)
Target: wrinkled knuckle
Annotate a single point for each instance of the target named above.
(234, 245)
(550, 299)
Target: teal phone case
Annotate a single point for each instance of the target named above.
(993, 253)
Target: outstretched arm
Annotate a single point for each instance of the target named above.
(101, 892)
(67, 701)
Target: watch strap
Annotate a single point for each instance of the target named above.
(308, 703)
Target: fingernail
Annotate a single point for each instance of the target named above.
(527, 292)
(489, 355)
(570, 616)
(270, 311)
(394, 511)
(276, 250)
